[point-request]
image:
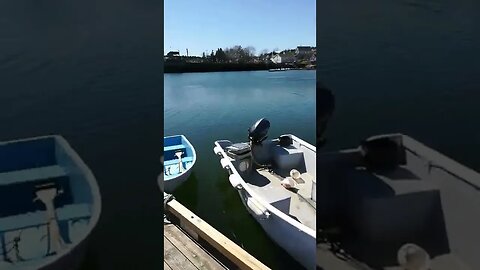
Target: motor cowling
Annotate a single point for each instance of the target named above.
(258, 132)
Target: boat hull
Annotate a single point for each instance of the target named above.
(82, 183)
(172, 184)
(299, 244)
(296, 239)
(72, 260)
(172, 144)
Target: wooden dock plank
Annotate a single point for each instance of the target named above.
(166, 266)
(195, 254)
(225, 246)
(174, 258)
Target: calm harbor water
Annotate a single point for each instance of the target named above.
(91, 71)
(403, 66)
(223, 105)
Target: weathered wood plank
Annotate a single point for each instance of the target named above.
(166, 266)
(174, 258)
(225, 246)
(199, 257)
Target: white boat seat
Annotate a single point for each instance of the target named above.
(38, 218)
(7, 178)
(174, 147)
(175, 161)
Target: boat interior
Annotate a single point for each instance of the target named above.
(174, 149)
(385, 194)
(39, 181)
(298, 202)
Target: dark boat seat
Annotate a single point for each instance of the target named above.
(31, 174)
(38, 218)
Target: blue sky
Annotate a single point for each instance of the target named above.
(264, 24)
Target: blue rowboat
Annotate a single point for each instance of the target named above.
(179, 157)
(49, 204)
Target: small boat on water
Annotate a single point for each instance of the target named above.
(279, 69)
(49, 204)
(276, 181)
(395, 203)
(179, 157)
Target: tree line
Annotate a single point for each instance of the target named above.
(236, 54)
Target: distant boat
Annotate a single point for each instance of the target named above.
(276, 182)
(179, 158)
(279, 69)
(287, 69)
(49, 204)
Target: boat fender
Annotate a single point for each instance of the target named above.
(235, 180)
(224, 163)
(413, 257)
(257, 208)
(217, 150)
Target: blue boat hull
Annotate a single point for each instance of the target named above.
(173, 176)
(27, 166)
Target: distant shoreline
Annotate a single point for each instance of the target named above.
(221, 67)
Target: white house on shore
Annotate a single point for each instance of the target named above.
(283, 58)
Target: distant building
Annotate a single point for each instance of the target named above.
(283, 58)
(173, 54)
(173, 57)
(266, 57)
(304, 52)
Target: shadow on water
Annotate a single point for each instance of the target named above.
(90, 261)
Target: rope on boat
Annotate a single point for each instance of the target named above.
(166, 198)
(336, 249)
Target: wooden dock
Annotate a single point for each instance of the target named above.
(181, 252)
(191, 243)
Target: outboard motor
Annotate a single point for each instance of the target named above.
(257, 133)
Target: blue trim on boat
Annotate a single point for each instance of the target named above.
(174, 162)
(33, 174)
(68, 212)
(174, 148)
